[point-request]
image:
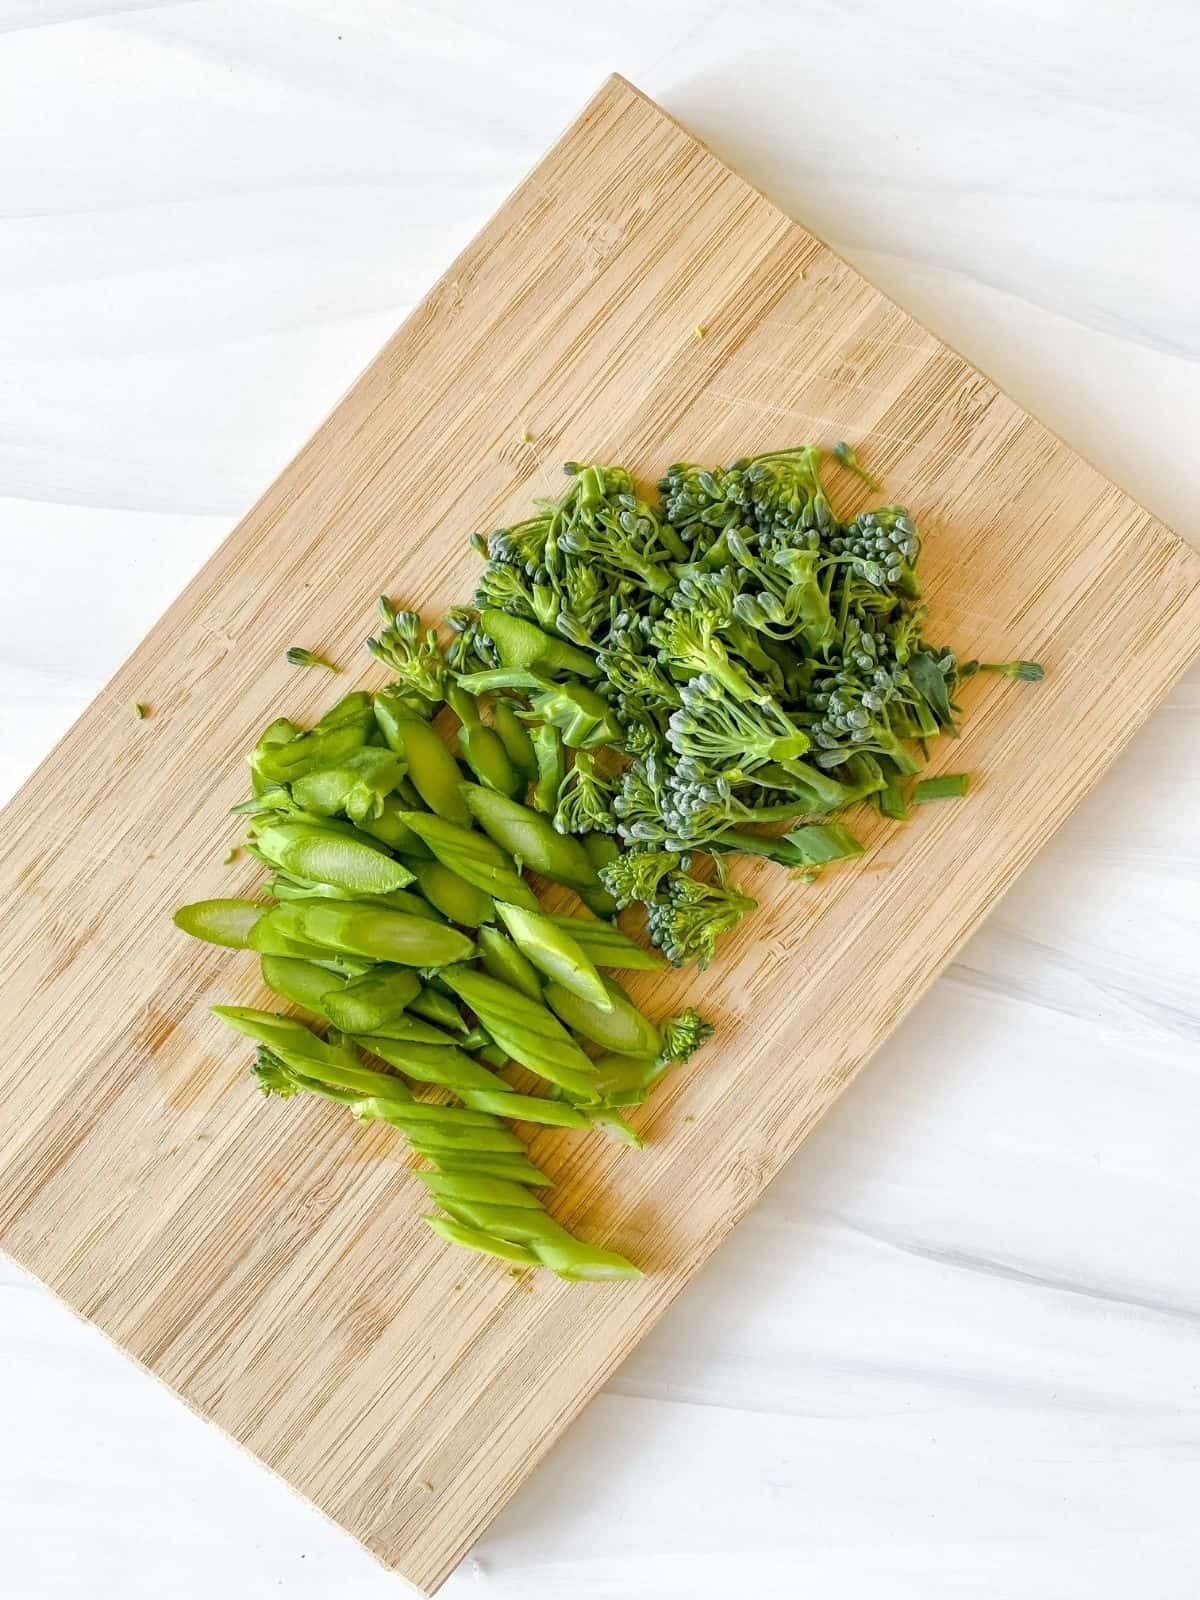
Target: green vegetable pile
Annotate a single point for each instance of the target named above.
(637, 690)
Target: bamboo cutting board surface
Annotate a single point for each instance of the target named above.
(265, 1259)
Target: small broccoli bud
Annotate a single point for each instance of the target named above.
(298, 656)
(845, 457)
(683, 1034)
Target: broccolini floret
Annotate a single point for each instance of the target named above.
(683, 1034)
(687, 922)
(731, 736)
(638, 874)
(585, 798)
(412, 653)
(688, 640)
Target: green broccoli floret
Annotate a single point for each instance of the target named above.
(853, 720)
(469, 649)
(632, 668)
(585, 603)
(508, 588)
(785, 491)
(585, 798)
(682, 1035)
(638, 874)
(700, 501)
(731, 736)
(687, 922)
(687, 637)
(696, 810)
(790, 600)
(638, 801)
(413, 654)
(524, 544)
(717, 594)
(605, 522)
(880, 547)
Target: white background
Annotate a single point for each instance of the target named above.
(954, 1351)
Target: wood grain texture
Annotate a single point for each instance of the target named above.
(266, 1259)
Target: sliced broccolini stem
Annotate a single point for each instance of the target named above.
(479, 1167)
(821, 842)
(517, 742)
(1027, 671)
(606, 946)
(474, 857)
(359, 866)
(521, 644)
(553, 1246)
(225, 922)
(526, 1108)
(620, 1026)
(551, 760)
(550, 945)
(369, 1003)
(950, 786)
(488, 1244)
(361, 928)
(304, 983)
(451, 894)
(891, 803)
(432, 769)
(525, 1029)
(505, 962)
(481, 747)
(443, 1065)
(531, 838)
(434, 1006)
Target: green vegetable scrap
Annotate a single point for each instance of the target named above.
(1027, 671)
(950, 786)
(643, 690)
(298, 656)
(845, 457)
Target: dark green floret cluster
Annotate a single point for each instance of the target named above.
(745, 660)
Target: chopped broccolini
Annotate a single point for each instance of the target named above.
(723, 670)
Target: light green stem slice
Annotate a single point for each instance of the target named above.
(368, 1004)
(224, 922)
(302, 982)
(606, 946)
(360, 928)
(622, 1027)
(552, 949)
(486, 1243)
(452, 895)
(504, 962)
(317, 853)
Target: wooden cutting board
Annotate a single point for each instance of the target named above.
(265, 1259)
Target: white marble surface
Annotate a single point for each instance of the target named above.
(954, 1351)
